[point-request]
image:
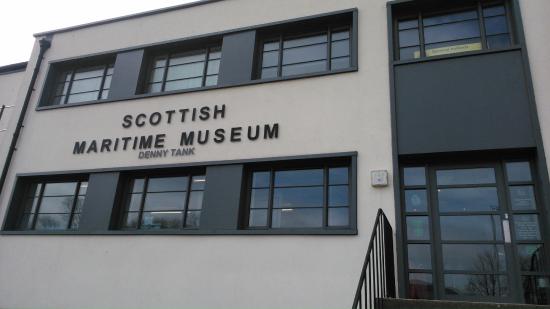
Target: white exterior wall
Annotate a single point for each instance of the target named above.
(337, 113)
(10, 84)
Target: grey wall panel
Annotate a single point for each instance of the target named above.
(99, 202)
(126, 74)
(460, 104)
(222, 197)
(237, 58)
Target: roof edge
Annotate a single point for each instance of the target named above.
(126, 17)
(13, 68)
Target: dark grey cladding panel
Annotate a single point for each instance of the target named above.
(460, 104)
(222, 197)
(126, 74)
(237, 61)
(99, 202)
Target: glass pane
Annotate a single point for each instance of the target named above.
(531, 257)
(215, 53)
(213, 67)
(498, 41)
(157, 75)
(409, 53)
(58, 100)
(52, 222)
(407, 24)
(270, 73)
(476, 285)
(107, 82)
(420, 256)
(62, 89)
(416, 201)
(494, 11)
(30, 204)
(304, 54)
(409, 38)
(466, 176)
(304, 68)
(297, 218)
(85, 85)
(338, 176)
(453, 47)
(83, 188)
(198, 182)
(79, 206)
(340, 63)
(448, 18)
(155, 88)
(75, 223)
(452, 32)
(34, 190)
(160, 62)
(26, 222)
(259, 198)
(260, 180)
(61, 204)
(258, 217)
(340, 49)
(270, 59)
(522, 198)
(134, 202)
(478, 258)
(338, 196)
(183, 84)
(527, 227)
(185, 71)
(271, 46)
(167, 184)
(496, 25)
(195, 200)
(414, 176)
(298, 197)
(137, 185)
(89, 72)
(482, 228)
(299, 178)
(63, 188)
(536, 290)
(188, 57)
(211, 80)
(165, 201)
(193, 219)
(420, 286)
(162, 220)
(305, 41)
(418, 228)
(83, 97)
(104, 94)
(468, 199)
(518, 171)
(131, 220)
(338, 216)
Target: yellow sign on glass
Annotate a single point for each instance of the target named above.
(450, 50)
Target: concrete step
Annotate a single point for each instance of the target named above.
(397, 303)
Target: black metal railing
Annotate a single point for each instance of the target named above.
(377, 277)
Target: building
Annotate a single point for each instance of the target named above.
(236, 153)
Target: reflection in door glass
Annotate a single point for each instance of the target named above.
(522, 198)
(416, 201)
(478, 258)
(487, 228)
(420, 257)
(476, 285)
(468, 199)
(518, 171)
(527, 227)
(531, 257)
(420, 286)
(536, 290)
(414, 176)
(418, 228)
(471, 176)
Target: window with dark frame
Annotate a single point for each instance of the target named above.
(53, 205)
(156, 202)
(299, 198)
(324, 50)
(83, 84)
(427, 34)
(184, 70)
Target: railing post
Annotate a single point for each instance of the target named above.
(390, 270)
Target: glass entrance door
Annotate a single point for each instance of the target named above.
(473, 233)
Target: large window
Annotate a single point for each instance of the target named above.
(82, 84)
(427, 34)
(173, 202)
(324, 50)
(184, 70)
(299, 198)
(53, 205)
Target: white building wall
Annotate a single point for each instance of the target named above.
(337, 113)
(10, 84)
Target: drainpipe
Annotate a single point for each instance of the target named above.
(44, 45)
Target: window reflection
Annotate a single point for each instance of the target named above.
(468, 199)
(476, 285)
(420, 286)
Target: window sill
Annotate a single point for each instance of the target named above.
(159, 94)
(296, 232)
(457, 55)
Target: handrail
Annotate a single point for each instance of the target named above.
(377, 279)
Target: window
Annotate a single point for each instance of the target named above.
(184, 70)
(53, 205)
(299, 198)
(325, 50)
(173, 202)
(469, 29)
(82, 84)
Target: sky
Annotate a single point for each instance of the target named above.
(22, 18)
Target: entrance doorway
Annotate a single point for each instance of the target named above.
(474, 233)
